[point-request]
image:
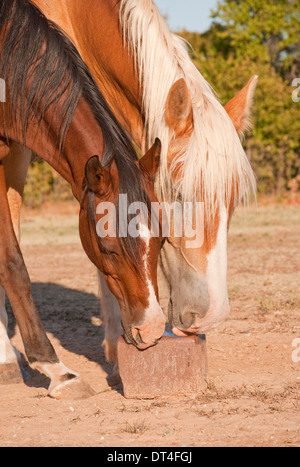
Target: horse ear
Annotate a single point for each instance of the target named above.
(179, 108)
(97, 177)
(151, 160)
(239, 108)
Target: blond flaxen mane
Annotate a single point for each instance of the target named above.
(214, 161)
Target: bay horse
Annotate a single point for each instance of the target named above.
(154, 90)
(56, 110)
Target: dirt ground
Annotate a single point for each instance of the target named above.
(253, 388)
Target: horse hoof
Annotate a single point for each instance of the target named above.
(11, 373)
(114, 380)
(73, 389)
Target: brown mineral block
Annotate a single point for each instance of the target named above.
(175, 366)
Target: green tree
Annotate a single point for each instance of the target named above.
(265, 28)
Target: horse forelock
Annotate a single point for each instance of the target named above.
(133, 248)
(214, 163)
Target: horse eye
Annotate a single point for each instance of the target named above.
(110, 252)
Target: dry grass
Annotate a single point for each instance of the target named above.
(136, 428)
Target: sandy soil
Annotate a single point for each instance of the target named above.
(253, 388)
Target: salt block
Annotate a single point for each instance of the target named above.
(175, 366)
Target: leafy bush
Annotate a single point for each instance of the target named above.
(44, 184)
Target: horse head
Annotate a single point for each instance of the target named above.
(124, 248)
(201, 301)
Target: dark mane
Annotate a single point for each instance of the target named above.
(42, 69)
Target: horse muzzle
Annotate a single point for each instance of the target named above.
(147, 333)
(193, 323)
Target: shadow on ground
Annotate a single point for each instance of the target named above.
(73, 317)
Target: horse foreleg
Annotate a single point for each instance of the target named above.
(110, 311)
(15, 280)
(16, 166)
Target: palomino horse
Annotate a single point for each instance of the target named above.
(154, 90)
(56, 110)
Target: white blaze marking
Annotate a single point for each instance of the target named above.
(217, 274)
(153, 306)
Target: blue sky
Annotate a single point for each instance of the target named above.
(193, 15)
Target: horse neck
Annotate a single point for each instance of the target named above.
(98, 38)
(84, 139)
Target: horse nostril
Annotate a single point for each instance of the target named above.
(139, 339)
(137, 336)
(187, 319)
(129, 337)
